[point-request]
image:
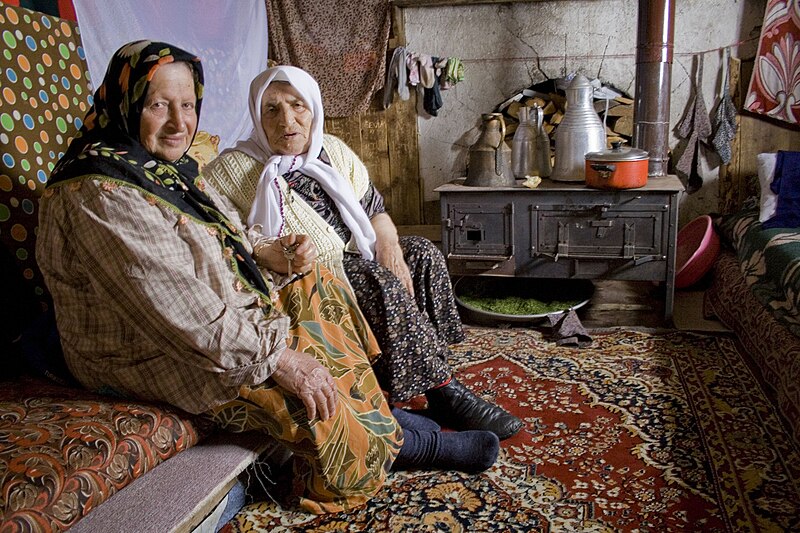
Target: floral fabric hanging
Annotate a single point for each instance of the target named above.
(341, 44)
(775, 84)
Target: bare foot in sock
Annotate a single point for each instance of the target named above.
(467, 451)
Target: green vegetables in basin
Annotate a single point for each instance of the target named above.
(514, 305)
(519, 299)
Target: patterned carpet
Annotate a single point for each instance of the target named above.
(641, 432)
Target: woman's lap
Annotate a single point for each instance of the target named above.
(345, 459)
(432, 289)
(413, 333)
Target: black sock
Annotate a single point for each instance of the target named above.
(468, 451)
(409, 420)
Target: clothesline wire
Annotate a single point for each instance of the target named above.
(601, 56)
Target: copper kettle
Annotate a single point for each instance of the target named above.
(489, 163)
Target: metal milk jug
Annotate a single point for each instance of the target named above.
(580, 132)
(542, 144)
(524, 161)
(489, 161)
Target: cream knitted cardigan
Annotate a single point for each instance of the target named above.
(236, 176)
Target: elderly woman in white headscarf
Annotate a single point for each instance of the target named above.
(312, 196)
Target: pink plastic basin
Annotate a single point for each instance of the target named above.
(698, 246)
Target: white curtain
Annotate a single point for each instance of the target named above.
(229, 37)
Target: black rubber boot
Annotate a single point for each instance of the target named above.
(457, 407)
(467, 451)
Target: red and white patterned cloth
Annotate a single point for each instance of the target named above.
(775, 85)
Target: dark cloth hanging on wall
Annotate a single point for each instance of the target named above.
(725, 117)
(432, 96)
(342, 45)
(786, 184)
(696, 129)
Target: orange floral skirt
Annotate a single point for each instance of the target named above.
(342, 462)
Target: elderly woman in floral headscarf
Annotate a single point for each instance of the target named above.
(157, 295)
(289, 178)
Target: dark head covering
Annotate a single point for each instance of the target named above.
(111, 126)
(108, 148)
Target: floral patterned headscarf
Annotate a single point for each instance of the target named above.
(108, 148)
(111, 126)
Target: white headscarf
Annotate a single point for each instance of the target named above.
(268, 203)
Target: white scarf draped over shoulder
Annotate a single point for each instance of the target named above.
(267, 209)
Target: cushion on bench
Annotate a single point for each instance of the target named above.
(64, 451)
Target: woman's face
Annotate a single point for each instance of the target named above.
(169, 118)
(286, 119)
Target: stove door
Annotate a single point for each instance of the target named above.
(625, 240)
(480, 238)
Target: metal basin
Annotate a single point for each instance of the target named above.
(578, 292)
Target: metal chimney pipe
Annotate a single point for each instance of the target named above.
(654, 48)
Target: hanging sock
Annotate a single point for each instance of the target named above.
(696, 128)
(432, 96)
(427, 73)
(396, 77)
(440, 69)
(432, 100)
(453, 72)
(412, 64)
(725, 117)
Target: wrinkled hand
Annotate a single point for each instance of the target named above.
(305, 251)
(301, 375)
(304, 254)
(391, 256)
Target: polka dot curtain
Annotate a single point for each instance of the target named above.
(44, 95)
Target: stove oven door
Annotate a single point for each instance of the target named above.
(624, 240)
(480, 238)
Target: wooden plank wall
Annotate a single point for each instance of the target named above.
(386, 141)
(738, 180)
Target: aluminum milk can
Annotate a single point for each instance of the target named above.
(524, 160)
(580, 132)
(530, 147)
(542, 144)
(489, 163)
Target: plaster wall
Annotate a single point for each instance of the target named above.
(508, 47)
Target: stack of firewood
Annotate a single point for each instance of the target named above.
(616, 113)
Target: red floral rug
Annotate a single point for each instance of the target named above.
(640, 432)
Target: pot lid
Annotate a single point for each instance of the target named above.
(617, 152)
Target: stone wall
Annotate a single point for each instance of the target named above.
(507, 47)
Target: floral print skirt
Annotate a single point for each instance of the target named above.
(413, 332)
(342, 462)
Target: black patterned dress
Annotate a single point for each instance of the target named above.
(413, 332)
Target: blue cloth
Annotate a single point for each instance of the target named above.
(237, 498)
(40, 348)
(786, 184)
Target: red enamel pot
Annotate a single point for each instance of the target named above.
(617, 168)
